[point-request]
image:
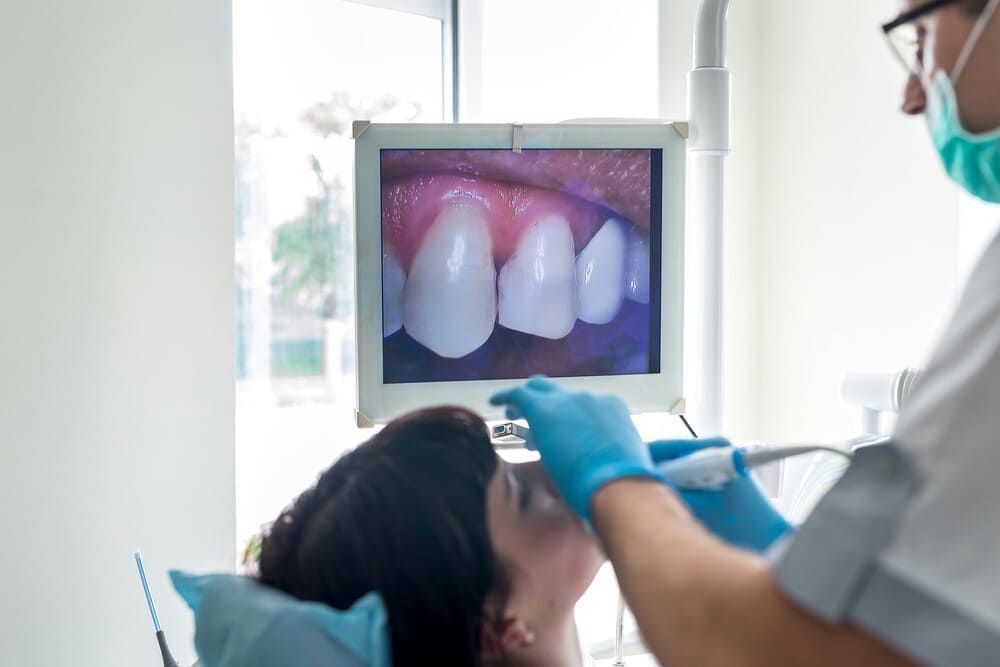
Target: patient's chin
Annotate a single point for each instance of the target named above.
(594, 560)
(583, 562)
(582, 554)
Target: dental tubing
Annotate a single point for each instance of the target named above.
(712, 466)
(719, 462)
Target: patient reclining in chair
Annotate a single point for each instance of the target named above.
(477, 560)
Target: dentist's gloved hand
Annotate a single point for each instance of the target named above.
(586, 441)
(738, 513)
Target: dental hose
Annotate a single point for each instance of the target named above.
(761, 455)
(720, 462)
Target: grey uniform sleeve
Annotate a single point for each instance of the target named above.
(907, 544)
(833, 568)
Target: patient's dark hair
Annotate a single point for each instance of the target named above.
(403, 514)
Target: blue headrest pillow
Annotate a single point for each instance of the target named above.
(242, 623)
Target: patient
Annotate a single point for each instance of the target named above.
(477, 560)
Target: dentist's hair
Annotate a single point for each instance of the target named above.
(403, 514)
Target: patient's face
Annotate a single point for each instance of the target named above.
(551, 557)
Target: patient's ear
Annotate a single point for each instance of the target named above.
(502, 633)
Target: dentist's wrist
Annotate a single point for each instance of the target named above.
(598, 477)
(631, 495)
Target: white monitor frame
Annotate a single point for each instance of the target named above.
(651, 392)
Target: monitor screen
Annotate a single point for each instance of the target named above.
(499, 264)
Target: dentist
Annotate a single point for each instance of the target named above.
(900, 563)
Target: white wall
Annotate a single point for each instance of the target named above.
(116, 298)
(842, 236)
(857, 225)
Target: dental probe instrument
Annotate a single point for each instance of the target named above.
(712, 465)
(720, 462)
(161, 639)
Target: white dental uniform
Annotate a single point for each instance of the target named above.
(907, 545)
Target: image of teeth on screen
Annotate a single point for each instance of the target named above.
(499, 265)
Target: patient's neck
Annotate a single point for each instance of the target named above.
(557, 645)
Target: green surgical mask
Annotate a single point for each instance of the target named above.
(971, 160)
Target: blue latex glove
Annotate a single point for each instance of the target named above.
(241, 623)
(738, 513)
(586, 441)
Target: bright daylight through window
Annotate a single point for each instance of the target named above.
(303, 71)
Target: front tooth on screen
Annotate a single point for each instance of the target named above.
(537, 285)
(637, 268)
(393, 280)
(600, 274)
(450, 298)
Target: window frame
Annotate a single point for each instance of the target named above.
(445, 11)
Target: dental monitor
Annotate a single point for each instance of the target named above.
(490, 253)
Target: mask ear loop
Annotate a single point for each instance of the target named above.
(973, 40)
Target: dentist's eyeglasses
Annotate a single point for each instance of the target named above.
(903, 38)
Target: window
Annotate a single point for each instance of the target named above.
(531, 61)
(303, 71)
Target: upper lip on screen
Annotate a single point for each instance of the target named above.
(618, 179)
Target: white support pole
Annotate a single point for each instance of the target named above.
(708, 184)
(710, 118)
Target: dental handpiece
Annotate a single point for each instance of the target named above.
(716, 462)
